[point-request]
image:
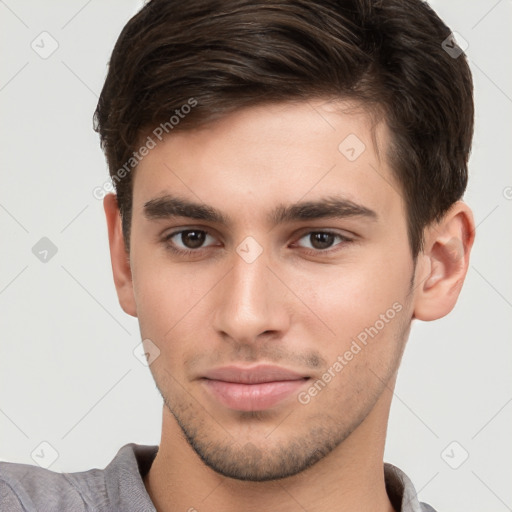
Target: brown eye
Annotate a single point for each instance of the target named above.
(192, 239)
(322, 241)
(188, 241)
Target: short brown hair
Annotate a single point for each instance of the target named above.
(230, 54)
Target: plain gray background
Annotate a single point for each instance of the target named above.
(68, 374)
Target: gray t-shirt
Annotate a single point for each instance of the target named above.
(120, 486)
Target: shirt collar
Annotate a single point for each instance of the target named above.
(125, 484)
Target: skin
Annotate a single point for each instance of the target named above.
(296, 305)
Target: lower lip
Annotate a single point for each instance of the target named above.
(252, 397)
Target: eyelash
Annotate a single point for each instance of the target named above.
(194, 252)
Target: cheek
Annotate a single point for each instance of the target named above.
(169, 296)
(368, 314)
(363, 300)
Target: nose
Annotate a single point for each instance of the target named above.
(250, 302)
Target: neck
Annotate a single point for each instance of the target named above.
(349, 479)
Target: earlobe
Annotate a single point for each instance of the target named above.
(119, 257)
(443, 263)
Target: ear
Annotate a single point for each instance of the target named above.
(443, 263)
(119, 256)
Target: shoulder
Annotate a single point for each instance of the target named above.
(28, 488)
(401, 491)
(8, 497)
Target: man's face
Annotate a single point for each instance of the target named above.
(325, 297)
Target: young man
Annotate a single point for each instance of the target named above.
(289, 177)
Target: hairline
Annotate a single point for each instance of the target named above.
(377, 114)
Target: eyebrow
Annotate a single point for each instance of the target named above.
(168, 207)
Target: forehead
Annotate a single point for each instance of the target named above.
(261, 156)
